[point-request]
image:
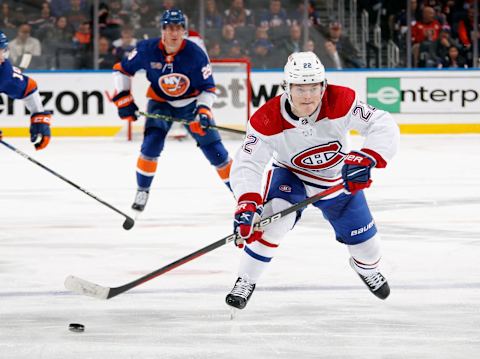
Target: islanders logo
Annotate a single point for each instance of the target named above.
(319, 157)
(174, 85)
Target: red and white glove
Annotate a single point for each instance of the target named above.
(248, 212)
(356, 171)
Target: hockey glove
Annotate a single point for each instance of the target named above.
(203, 120)
(249, 211)
(40, 129)
(127, 109)
(356, 171)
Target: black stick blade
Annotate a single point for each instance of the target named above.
(128, 224)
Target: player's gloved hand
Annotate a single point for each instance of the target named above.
(248, 212)
(356, 171)
(127, 109)
(203, 120)
(40, 129)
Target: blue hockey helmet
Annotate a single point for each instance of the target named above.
(3, 40)
(173, 16)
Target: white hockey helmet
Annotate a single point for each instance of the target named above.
(303, 68)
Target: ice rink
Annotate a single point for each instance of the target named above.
(309, 303)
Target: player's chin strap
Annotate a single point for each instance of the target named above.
(185, 122)
(82, 286)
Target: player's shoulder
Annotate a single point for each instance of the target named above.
(337, 101)
(6, 67)
(268, 120)
(193, 49)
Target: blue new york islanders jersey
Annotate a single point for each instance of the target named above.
(13, 83)
(172, 76)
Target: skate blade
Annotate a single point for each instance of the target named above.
(234, 313)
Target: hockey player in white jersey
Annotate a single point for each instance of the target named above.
(305, 130)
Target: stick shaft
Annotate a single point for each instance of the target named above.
(264, 222)
(24, 155)
(185, 122)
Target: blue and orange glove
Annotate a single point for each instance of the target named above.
(356, 171)
(203, 120)
(249, 211)
(40, 129)
(127, 109)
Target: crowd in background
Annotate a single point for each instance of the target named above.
(58, 33)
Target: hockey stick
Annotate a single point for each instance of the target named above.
(129, 222)
(185, 122)
(84, 287)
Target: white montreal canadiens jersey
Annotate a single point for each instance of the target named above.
(313, 149)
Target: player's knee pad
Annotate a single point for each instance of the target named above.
(153, 142)
(366, 255)
(264, 248)
(276, 230)
(216, 153)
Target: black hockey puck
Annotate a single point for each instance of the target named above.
(76, 327)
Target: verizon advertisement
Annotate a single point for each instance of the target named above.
(83, 99)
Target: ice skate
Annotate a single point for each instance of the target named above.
(240, 294)
(140, 202)
(376, 282)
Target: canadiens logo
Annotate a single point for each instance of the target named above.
(174, 85)
(319, 157)
(285, 188)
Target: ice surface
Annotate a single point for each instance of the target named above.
(309, 304)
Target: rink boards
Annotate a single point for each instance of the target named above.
(433, 101)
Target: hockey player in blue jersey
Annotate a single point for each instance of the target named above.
(18, 86)
(181, 86)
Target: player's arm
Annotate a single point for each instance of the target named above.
(246, 181)
(206, 85)
(123, 71)
(381, 143)
(25, 88)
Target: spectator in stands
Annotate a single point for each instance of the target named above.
(77, 14)
(261, 54)
(125, 44)
(147, 14)
(106, 58)
(298, 14)
(275, 16)
(213, 17)
(426, 30)
(63, 7)
(228, 36)
(42, 25)
(453, 59)
(117, 16)
(309, 46)
(6, 18)
(238, 15)
(23, 44)
(346, 50)
(214, 50)
(442, 45)
(465, 28)
(19, 15)
(293, 43)
(331, 58)
(57, 42)
(235, 50)
(82, 41)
